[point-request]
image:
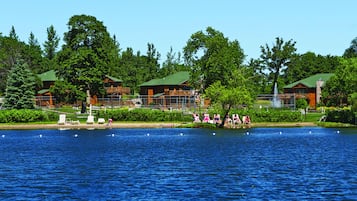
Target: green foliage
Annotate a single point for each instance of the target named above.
(212, 58)
(22, 116)
(276, 115)
(20, 88)
(342, 116)
(65, 92)
(352, 50)
(277, 58)
(308, 64)
(353, 101)
(301, 103)
(87, 55)
(10, 50)
(144, 115)
(51, 43)
(344, 83)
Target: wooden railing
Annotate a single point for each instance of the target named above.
(118, 90)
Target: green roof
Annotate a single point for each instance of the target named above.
(48, 76)
(310, 82)
(51, 76)
(42, 91)
(114, 78)
(174, 79)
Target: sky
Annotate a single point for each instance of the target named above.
(325, 27)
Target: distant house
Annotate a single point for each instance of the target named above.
(44, 96)
(172, 91)
(112, 85)
(309, 88)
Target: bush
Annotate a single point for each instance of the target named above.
(22, 116)
(144, 114)
(342, 116)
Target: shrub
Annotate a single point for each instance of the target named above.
(22, 116)
(144, 114)
(342, 116)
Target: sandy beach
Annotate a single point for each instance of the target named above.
(133, 125)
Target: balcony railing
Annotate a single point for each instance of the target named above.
(118, 90)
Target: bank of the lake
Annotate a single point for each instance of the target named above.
(27, 126)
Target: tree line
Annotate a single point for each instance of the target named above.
(217, 65)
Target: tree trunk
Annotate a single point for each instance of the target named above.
(84, 107)
(224, 118)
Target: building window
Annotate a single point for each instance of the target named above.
(301, 91)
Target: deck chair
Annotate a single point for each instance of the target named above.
(62, 119)
(90, 119)
(206, 118)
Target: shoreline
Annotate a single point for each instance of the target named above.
(35, 126)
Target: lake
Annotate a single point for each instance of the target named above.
(308, 163)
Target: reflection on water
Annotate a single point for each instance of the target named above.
(179, 164)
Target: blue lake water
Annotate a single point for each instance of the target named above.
(179, 164)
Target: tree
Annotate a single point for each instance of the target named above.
(212, 58)
(172, 64)
(236, 93)
(13, 34)
(51, 43)
(352, 50)
(344, 83)
(33, 54)
(277, 58)
(10, 49)
(152, 62)
(20, 87)
(129, 69)
(308, 64)
(87, 55)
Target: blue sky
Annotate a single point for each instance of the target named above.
(325, 27)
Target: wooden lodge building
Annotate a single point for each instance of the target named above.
(309, 88)
(44, 97)
(172, 91)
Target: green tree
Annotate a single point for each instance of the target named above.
(152, 62)
(277, 58)
(10, 49)
(13, 34)
(172, 64)
(51, 44)
(236, 93)
(87, 55)
(130, 69)
(302, 103)
(353, 101)
(212, 58)
(33, 54)
(20, 87)
(308, 64)
(258, 76)
(344, 83)
(352, 50)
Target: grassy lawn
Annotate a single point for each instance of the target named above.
(313, 117)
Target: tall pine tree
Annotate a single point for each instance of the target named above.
(20, 87)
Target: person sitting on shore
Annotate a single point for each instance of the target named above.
(246, 121)
(216, 118)
(236, 120)
(206, 118)
(196, 118)
(228, 121)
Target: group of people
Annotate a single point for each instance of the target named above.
(231, 122)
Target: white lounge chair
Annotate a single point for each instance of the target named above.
(62, 119)
(90, 119)
(101, 120)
